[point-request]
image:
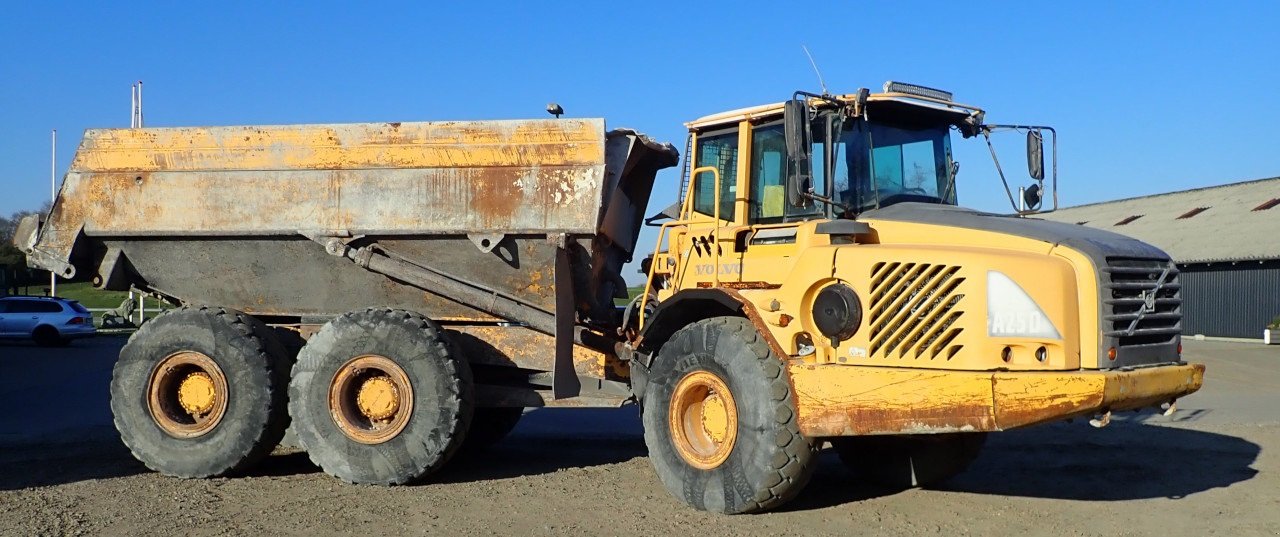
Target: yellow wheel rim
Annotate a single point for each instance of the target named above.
(370, 399)
(187, 394)
(703, 420)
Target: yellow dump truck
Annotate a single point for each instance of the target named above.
(400, 291)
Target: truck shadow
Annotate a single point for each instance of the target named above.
(545, 441)
(1125, 461)
(549, 440)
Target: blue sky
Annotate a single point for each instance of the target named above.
(1148, 97)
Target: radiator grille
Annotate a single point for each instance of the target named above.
(914, 309)
(1142, 301)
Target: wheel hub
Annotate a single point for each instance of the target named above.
(196, 393)
(703, 420)
(715, 418)
(187, 394)
(378, 398)
(371, 399)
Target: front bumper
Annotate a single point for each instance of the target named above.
(841, 400)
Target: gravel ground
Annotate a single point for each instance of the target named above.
(1212, 470)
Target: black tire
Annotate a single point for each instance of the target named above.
(256, 372)
(769, 461)
(909, 461)
(47, 336)
(439, 379)
(489, 426)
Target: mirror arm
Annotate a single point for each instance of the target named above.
(1054, 177)
(986, 133)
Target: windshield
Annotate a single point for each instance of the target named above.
(907, 162)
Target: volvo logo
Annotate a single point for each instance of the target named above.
(1149, 300)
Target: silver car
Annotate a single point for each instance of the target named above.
(48, 321)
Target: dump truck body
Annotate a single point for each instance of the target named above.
(238, 217)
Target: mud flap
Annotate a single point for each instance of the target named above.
(564, 380)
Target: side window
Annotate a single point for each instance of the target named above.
(768, 174)
(21, 306)
(48, 307)
(721, 151)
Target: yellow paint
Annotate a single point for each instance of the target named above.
(378, 398)
(344, 146)
(703, 420)
(196, 393)
(835, 400)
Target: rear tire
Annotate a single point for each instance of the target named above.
(47, 336)
(720, 423)
(238, 374)
(909, 461)
(489, 426)
(379, 396)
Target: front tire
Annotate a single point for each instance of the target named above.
(200, 392)
(720, 423)
(379, 396)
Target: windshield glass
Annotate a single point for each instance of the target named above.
(907, 163)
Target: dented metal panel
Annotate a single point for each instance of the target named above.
(840, 400)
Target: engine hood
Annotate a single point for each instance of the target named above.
(1136, 284)
(1097, 244)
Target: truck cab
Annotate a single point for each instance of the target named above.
(908, 327)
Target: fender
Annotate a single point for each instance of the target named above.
(685, 307)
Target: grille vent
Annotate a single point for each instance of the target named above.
(1142, 301)
(914, 309)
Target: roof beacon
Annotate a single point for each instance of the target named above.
(919, 91)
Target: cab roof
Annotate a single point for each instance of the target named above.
(775, 109)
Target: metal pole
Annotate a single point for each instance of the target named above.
(53, 196)
(139, 104)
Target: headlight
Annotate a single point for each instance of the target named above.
(1012, 313)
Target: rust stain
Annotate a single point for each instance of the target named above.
(838, 400)
(741, 285)
(349, 146)
(526, 348)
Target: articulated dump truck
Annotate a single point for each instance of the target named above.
(397, 292)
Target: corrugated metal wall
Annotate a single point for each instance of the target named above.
(1230, 300)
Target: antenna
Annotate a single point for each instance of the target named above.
(815, 70)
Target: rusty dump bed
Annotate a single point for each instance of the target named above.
(309, 220)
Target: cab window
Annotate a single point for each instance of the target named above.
(768, 174)
(719, 150)
(768, 200)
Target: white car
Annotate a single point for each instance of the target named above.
(49, 321)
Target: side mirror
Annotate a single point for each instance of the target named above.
(795, 116)
(1035, 154)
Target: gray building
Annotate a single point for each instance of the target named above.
(1225, 240)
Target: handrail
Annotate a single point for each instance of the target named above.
(685, 219)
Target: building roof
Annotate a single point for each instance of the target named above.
(1233, 222)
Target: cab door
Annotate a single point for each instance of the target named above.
(767, 247)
